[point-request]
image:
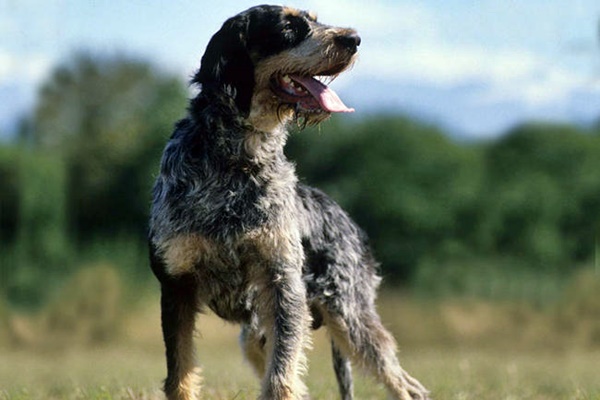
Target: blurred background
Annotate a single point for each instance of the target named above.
(472, 161)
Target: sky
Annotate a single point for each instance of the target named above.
(475, 68)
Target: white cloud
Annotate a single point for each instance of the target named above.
(20, 77)
(546, 85)
(438, 63)
(418, 50)
(28, 68)
(6, 65)
(378, 19)
(502, 52)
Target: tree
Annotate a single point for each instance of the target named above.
(109, 118)
(410, 187)
(542, 194)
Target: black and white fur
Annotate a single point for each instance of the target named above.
(232, 229)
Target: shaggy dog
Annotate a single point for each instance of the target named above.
(232, 229)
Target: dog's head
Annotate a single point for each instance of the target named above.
(272, 61)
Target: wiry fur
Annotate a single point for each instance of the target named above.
(232, 229)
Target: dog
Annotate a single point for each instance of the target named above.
(232, 229)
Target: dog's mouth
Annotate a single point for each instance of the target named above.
(308, 93)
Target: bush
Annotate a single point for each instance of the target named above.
(578, 315)
(40, 255)
(87, 310)
(496, 279)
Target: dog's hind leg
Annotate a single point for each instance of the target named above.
(343, 373)
(253, 346)
(362, 337)
(178, 312)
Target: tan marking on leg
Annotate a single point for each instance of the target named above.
(186, 370)
(189, 386)
(182, 253)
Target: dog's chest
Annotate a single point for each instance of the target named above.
(224, 205)
(228, 274)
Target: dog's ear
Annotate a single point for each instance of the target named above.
(226, 63)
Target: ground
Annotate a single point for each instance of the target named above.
(133, 369)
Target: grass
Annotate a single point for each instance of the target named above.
(133, 366)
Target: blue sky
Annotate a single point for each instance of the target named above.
(473, 67)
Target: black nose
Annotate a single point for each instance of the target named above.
(350, 41)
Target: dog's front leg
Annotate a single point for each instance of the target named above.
(284, 313)
(178, 312)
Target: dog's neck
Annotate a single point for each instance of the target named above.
(266, 115)
(263, 148)
(257, 139)
(268, 135)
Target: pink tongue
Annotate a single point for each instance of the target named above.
(327, 98)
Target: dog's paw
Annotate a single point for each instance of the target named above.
(413, 389)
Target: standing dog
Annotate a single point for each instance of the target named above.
(232, 229)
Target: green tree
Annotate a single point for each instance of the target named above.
(542, 195)
(109, 118)
(407, 184)
(42, 251)
(9, 181)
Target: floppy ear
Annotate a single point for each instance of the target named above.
(226, 63)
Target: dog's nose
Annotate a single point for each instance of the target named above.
(351, 41)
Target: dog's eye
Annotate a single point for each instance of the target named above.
(296, 27)
(291, 25)
(288, 27)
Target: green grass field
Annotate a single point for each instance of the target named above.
(132, 367)
(124, 372)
